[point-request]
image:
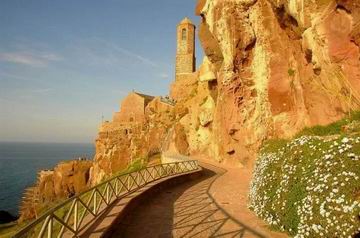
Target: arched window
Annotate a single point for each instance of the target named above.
(183, 34)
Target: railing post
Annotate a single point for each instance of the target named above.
(128, 182)
(49, 228)
(95, 202)
(107, 194)
(137, 178)
(75, 215)
(154, 172)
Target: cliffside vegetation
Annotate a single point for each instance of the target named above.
(310, 186)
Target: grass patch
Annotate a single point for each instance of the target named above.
(331, 129)
(273, 145)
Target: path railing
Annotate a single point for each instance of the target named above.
(76, 213)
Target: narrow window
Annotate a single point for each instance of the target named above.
(183, 34)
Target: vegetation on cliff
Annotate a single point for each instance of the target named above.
(310, 186)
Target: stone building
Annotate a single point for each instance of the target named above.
(185, 50)
(185, 74)
(133, 108)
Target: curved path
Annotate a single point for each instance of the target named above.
(212, 205)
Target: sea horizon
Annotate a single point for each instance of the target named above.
(20, 163)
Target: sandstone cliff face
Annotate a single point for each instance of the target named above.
(64, 181)
(272, 68)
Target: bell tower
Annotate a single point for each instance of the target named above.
(185, 53)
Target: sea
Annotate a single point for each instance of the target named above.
(20, 163)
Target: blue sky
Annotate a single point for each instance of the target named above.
(64, 64)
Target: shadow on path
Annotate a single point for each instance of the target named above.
(186, 210)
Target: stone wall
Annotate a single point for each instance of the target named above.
(184, 86)
(132, 109)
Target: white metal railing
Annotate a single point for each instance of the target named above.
(73, 215)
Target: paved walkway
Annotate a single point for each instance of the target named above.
(213, 205)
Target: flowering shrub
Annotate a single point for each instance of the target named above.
(310, 186)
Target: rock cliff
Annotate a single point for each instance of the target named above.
(271, 69)
(64, 181)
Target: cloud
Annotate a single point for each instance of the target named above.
(164, 76)
(34, 59)
(14, 76)
(115, 48)
(140, 58)
(41, 90)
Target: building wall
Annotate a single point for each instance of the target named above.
(132, 109)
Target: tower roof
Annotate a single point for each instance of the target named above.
(147, 97)
(186, 21)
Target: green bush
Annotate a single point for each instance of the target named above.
(307, 186)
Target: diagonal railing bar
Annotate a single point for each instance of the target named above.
(157, 172)
(140, 179)
(113, 190)
(129, 182)
(152, 171)
(163, 171)
(105, 193)
(142, 173)
(124, 185)
(101, 197)
(112, 193)
(183, 168)
(147, 170)
(94, 201)
(134, 180)
(166, 170)
(88, 203)
(121, 188)
(176, 168)
(67, 217)
(96, 204)
(44, 226)
(87, 209)
(173, 168)
(169, 169)
(116, 187)
(64, 224)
